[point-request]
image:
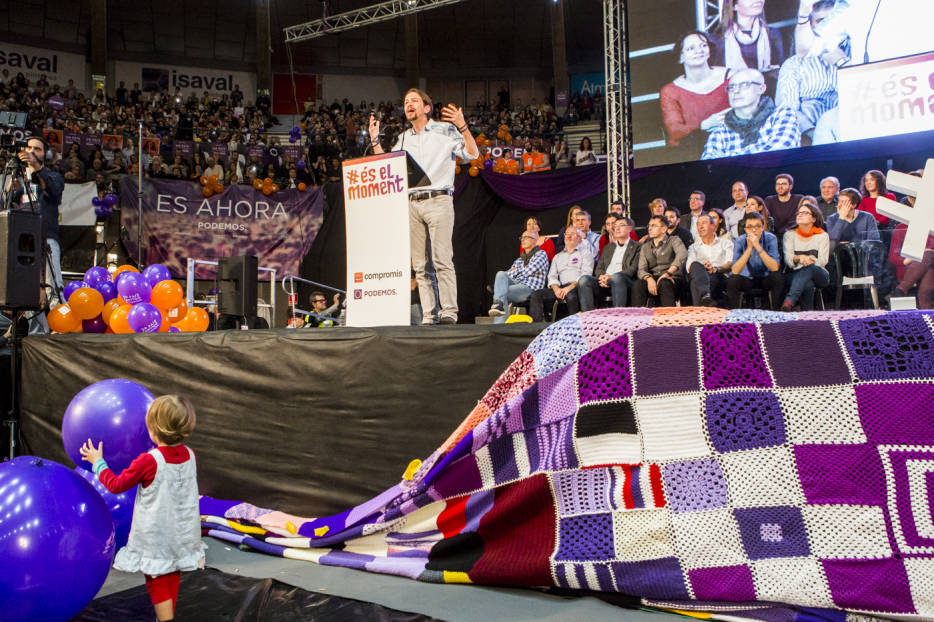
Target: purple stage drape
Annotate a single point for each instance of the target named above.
(546, 190)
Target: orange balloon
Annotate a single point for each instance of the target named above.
(501, 134)
(203, 180)
(474, 171)
(196, 320)
(213, 179)
(109, 307)
(267, 181)
(119, 322)
(257, 184)
(267, 190)
(275, 188)
(166, 295)
(302, 186)
(124, 268)
(109, 331)
(86, 303)
(177, 314)
(207, 191)
(508, 138)
(218, 187)
(164, 326)
(457, 170)
(62, 319)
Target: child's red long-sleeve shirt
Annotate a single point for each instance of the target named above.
(142, 470)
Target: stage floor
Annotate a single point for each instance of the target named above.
(453, 602)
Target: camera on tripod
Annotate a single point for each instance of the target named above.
(12, 121)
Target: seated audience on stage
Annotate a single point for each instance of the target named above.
(673, 216)
(848, 224)
(696, 101)
(756, 204)
(606, 232)
(719, 222)
(708, 263)
(661, 263)
(755, 263)
(616, 270)
(618, 207)
(808, 84)
(735, 212)
(568, 267)
(747, 39)
(754, 123)
(526, 274)
(783, 205)
(872, 186)
(657, 207)
(591, 238)
(534, 225)
(911, 272)
(827, 203)
(559, 240)
(807, 250)
(696, 207)
(585, 154)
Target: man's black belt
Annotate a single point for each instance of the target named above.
(428, 194)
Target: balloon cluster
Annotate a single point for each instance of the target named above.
(104, 207)
(211, 185)
(503, 133)
(267, 186)
(295, 134)
(508, 168)
(130, 302)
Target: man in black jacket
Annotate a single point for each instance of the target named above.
(616, 270)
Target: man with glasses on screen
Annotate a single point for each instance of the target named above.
(754, 123)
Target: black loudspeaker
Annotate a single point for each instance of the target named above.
(236, 292)
(22, 259)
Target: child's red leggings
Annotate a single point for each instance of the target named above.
(163, 587)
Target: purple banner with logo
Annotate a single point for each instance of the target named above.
(219, 151)
(180, 223)
(293, 153)
(186, 148)
(89, 143)
(256, 150)
(69, 139)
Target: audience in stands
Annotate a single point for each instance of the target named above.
(527, 274)
(585, 154)
(807, 251)
(615, 272)
(661, 260)
(709, 260)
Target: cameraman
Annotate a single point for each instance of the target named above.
(46, 188)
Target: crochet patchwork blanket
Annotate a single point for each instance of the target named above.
(746, 464)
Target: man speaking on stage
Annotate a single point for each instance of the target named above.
(434, 146)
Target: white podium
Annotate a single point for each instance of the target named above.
(376, 203)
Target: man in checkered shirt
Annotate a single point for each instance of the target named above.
(527, 274)
(754, 123)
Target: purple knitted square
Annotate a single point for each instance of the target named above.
(665, 360)
(870, 584)
(776, 531)
(732, 357)
(849, 474)
(603, 373)
(733, 583)
(744, 420)
(557, 395)
(551, 447)
(897, 413)
(653, 578)
(693, 485)
(911, 515)
(588, 537)
(889, 346)
(788, 346)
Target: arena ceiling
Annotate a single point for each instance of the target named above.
(476, 38)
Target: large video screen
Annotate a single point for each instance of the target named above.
(720, 79)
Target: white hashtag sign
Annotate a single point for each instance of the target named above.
(920, 218)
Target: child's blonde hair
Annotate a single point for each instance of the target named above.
(171, 419)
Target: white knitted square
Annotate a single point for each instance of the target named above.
(761, 477)
(921, 580)
(609, 449)
(792, 580)
(821, 415)
(707, 538)
(672, 427)
(847, 531)
(485, 466)
(642, 534)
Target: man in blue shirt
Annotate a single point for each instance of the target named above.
(756, 262)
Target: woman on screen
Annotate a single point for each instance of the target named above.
(748, 40)
(872, 187)
(696, 101)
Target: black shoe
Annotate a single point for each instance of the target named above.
(708, 301)
(496, 310)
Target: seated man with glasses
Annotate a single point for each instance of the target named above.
(755, 262)
(526, 274)
(320, 308)
(754, 123)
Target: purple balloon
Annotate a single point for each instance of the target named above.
(97, 201)
(174, 329)
(96, 275)
(134, 287)
(56, 103)
(120, 506)
(95, 325)
(488, 164)
(156, 273)
(144, 318)
(110, 200)
(107, 289)
(113, 412)
(293, 139)
(57, 532)
(301, 165)
(103, 212)
(72, 287)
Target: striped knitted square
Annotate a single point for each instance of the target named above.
(586, 491)
(672, 427)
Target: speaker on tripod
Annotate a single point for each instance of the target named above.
(22, 259)
(236, 291)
